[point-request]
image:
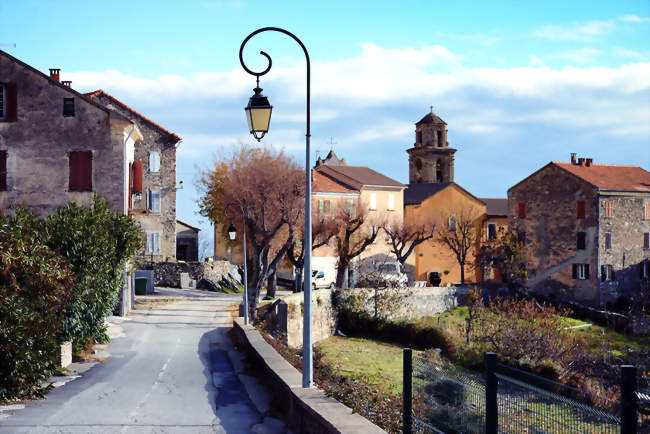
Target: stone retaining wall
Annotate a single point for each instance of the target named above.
(308, 411)
(169, 273)
(286, 316)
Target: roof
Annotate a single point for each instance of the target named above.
(101, 92)
(417, 193)
(187, 224)
(358, 176)
(59, 84)
(610, 176)
(331, 159)
(495, 206)
(431, 118)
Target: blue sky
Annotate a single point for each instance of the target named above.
(519, 83)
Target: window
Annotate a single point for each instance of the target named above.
(154, 201)
(453, 222)
(646, 211)
(419, 138)
(81, 171)
(391, 202)
(581, 209)
(608, 241)
(2, 102)
(325, 207)
(522, 210)
(154, 161)
(373, 200)
(491, 231)
(68, 107)
(3, 170)
(351, 208)
(644, 267)
(646, 240)
(607, 273)
(581, 240)
(153, 242)
(581, 271)
(608, 208)
(8, 106)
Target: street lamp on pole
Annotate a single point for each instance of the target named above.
(232, 234)
(258, 113)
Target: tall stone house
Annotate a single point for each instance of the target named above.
(589, 225)
(153, 204)
(58, 146)
(433, 196)
(337, 184)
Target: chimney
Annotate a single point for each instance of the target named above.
(573, 158)
(589, 162)
(66, 83)
(581, 161)
(55, 73)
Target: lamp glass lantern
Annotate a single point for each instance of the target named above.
(258, 113)
(232, 232)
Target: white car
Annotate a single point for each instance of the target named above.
(319, 279)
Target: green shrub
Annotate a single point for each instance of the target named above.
(96, 242)
(35, 284)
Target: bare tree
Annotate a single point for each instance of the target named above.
(461, 233)
(355, 231)
(404, 238)
(268, 185)
(321, 233)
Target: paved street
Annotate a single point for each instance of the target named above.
(170, 373)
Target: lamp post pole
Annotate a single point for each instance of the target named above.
(243, 229)
(307, 356)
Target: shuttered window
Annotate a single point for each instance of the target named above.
(81, 171)
(580, 271)
(608, 240)
(373, 200)
(581, 209)
(154, 161)
(522, 210)
(8, 102)
(3, 170)
(154, 201)
(608, 209)
(2, 102)
(153, 242)
(646, 240)
(391, 202)
(68, 107)
(607, 273)
(351, 208)
(581, 240)
(646, 211)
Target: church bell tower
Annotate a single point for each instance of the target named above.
(431, 160)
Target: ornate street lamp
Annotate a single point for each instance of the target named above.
(261, 121)
(232, 233)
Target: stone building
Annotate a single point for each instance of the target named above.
(187, 241)
(57, 145)
(431, 160)
(153, 205)
(590, 225)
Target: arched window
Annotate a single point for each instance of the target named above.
(418, 164)
(438, 171)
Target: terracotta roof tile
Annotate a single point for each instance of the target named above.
(610, 176)
(431, 118)
(99, 92)
(358, 176)
(495, 206)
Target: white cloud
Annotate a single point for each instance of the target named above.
(575, 31)
(581, 55)
(634, 19)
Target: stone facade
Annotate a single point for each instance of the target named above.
(169, 273)
(155, 139)
(545, 210)
(39, 142)
(187, 242)
(431, 160)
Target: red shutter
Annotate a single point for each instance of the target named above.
(137, 177)
(81, 171)
(130, 184)
(581, 209)
(3, 170)
(11, 103)
(522, 210)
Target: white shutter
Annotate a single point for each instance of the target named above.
(157, 242)
(391, 202)
(373, 200)
(154, 161)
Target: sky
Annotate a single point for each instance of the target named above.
(518, 83)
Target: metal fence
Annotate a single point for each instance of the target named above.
(440, 398)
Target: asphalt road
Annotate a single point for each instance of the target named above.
(170, 373)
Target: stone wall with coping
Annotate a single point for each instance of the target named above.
(169, 273)
(286, 316)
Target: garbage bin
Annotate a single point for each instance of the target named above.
(140, 285)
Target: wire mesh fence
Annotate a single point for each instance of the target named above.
(446, 400)
(528, 403)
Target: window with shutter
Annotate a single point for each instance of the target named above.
(373, 201)
(646, 240)
(3, 170)
(608, 209)
(646, 211)
(607, 273)
(391, 202)
(581, 209)
(153, 242)
(81, 171)
(608, 241)
(68, 107)
(351, 208)
(2, 102)
(321, 207)
(154, 161)
(154, 201)
(492, 231)
(581, 271)
(522, 210)
(581, 240)
(8, 102)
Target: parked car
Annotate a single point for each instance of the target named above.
(323, 279)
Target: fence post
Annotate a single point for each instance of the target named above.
(491, 384)
(407, 392)
(628, 399)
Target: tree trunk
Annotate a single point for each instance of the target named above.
(272, 285)
(342, 277)
(297, 283)
(462, 274)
